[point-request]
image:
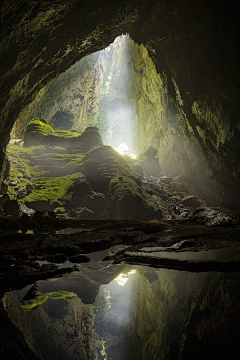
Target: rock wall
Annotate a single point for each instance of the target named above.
(194, 46)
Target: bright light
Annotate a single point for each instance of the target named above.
(117, 107)
(123, 149)
(122, 279)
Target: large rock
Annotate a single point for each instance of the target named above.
(36, 132)
(131, 202)
(11, 207)
(150, 162)
(103, 164)
(3, 199)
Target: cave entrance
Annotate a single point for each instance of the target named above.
(113, 97)
(100, 90)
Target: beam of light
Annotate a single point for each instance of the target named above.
(122, 279)
(123, 149)
(118, 104)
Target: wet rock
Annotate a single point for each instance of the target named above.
(214, 217)
(26, 210)
(11, 207)
(132, 257)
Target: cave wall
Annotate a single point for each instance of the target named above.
(194, 46)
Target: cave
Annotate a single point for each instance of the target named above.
(119, 179)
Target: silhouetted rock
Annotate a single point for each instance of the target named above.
(11, 207)
(44, 217)
(3, 199)
(150, 162)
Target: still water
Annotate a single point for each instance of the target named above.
(123, 312)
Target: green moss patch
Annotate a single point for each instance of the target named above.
(42, 298)
(52, 189)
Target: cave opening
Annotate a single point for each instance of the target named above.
(108, 99)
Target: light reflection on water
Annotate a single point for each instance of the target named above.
(157, 314)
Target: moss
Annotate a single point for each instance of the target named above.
(118, 185)
(41, 298)
(52, 189)
(38, 126)
(65, 133)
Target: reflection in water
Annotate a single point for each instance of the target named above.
(122, 278)
(128, 312)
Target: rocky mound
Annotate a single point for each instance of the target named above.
(76, 176)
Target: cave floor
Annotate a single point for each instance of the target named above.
(61, 248)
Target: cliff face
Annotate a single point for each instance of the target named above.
(193, 46)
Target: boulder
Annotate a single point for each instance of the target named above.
(44, 217)
(137, 168)
(131, 202)
(3, 199)
(37, 129)
(150, 162)
(102, 164)
(11, 207)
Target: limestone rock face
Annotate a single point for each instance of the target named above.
(193, 47)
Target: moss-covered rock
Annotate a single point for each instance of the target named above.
(102, 164)
(97, 184)
(36, 130)
(39, 133)
(130, 201)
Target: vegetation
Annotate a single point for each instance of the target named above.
(39, 126)
(41, 298)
